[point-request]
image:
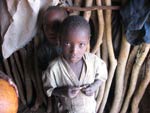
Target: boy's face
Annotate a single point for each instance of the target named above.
(51, 26)
(74, 45)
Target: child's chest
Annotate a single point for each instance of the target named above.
(77, 69)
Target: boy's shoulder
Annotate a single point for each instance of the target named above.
(93, 58)
(90, 55)
(54, 63)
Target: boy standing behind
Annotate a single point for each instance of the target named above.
(75, 76)
(48, 46)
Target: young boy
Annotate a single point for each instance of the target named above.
(75, 76)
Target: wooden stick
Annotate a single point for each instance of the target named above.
(87, 16)
(105, 50)
(100, 97)
(124, 53)
(130, 63)
(18, 63)
(98, 53)
(128, 69)
(38, 77)
(142, 87)
(77, 3)
(92, 8)
(100, 29)
(113, 61)
(7, 68)
(17, 80)
(27, 75)
(134, 76)
(100, 92)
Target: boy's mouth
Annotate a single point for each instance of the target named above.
(73, 58)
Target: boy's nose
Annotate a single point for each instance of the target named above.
(74, 49)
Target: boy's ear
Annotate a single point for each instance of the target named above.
(88, 47)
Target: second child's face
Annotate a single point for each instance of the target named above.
(74, 45)
(52, 25)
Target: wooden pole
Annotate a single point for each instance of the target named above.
(134, 76)
(142, 87)
(100, 28)
(91, 8)
(87, 15)
(123, 56)
(113, 61)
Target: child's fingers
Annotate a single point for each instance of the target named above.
(76, 88)
(84, 86)
(89, 93)
(73, 92)
(88, 88)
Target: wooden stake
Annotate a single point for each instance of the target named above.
(128, 69)
(17, 80)
(113, 61)
(92, 8)
(38, 80)
(100, 92)
(123, 56)
(100, 97)
(77, 3)
(87, 16)
(105, 50)
(134, 76)
(7, 68)
(100, 29)
(142, 87)
(27, 75)
(19, 67)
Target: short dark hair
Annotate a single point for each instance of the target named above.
(74, 22)
(54, 8)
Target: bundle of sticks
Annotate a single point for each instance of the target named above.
(124, 63)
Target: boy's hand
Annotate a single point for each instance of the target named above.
(66, 91)
(73, 92)
(91, 89)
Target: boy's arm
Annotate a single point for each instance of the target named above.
(91, 89)
(66, 91)
(96, 84)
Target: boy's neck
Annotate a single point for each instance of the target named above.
(76, 63)
(77, 67)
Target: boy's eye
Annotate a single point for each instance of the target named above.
(67, 44)
(82, 45)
